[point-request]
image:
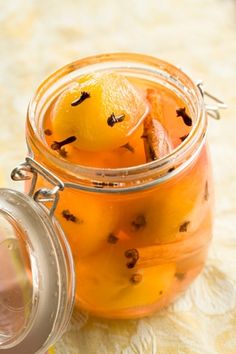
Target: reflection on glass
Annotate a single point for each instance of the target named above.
(15, 280)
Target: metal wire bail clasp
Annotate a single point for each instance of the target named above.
(29, 170)
(214, 107)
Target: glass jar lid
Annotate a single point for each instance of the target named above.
(36, 276)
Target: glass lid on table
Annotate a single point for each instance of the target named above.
(16, 290)
(36, 276)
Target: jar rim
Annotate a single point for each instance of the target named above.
(161, 167)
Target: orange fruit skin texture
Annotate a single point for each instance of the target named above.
(162, 106)
(154, 221)
(110, 93)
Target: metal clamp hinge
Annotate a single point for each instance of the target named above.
(29, 170)
(214, 107)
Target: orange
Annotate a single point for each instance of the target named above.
(101, 110)
(106, 284)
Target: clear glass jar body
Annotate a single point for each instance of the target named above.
(142, 232)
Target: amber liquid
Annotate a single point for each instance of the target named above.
(135, 252)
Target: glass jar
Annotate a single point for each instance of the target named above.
(142, 232)
(138, 235)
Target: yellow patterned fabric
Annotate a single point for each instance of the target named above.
(36, 38)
